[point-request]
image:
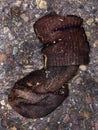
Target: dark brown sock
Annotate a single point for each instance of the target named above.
(65, 47)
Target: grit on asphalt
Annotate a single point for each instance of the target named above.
(20, 54)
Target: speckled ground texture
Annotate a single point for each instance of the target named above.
(20, 54)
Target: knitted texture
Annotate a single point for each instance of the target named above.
(64, 39)
(65, 47)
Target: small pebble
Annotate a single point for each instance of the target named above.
(2, 102)
(3, 57)
(66, 118)
(10, 36)
(9, 107)
(41, 119)
(6, 30)
(24, 6)
(2, 107)
(41, 4)
(88, 34)
(83, 67)
(24, 17)
(96, 19)
(30, 127)
(18, 3)
(90, 21)
(48, 120)
(15, 11)
(78, 80)
(58, 122)
(96, 43)
(15, 50)
(35, 120)
(81, 6)
(47, 128)
(2, 64)
(87, 114)
(37, 16)
(13, 128)
(19, 24)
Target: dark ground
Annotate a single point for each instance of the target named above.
(20, 54)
